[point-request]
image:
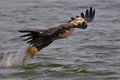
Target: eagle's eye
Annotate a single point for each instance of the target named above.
(81, 19)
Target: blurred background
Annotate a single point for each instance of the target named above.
(93, 53)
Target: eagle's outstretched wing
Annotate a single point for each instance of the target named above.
(37, 38)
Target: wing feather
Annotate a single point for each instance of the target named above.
(89, 14)
(37, 38)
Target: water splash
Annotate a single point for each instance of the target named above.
(15, 58)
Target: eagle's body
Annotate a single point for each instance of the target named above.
(39, 39)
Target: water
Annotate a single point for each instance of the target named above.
(86, 55)
(15, 58)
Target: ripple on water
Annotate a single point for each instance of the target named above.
(91, 54)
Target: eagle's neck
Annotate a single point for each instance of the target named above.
(63, 31)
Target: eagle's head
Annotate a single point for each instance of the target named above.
(82, 20)
(79, 23)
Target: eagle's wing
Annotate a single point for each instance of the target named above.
(89, 14)
(42, 38)
(37, 38)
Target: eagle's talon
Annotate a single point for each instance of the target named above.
(32, 51)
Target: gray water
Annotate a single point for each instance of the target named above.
(90, 54)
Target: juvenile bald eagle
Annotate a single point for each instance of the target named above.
(38, 39)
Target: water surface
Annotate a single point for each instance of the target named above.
(88, 54)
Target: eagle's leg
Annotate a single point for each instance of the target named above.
(32, 51)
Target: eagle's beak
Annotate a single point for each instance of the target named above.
(84, 25)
